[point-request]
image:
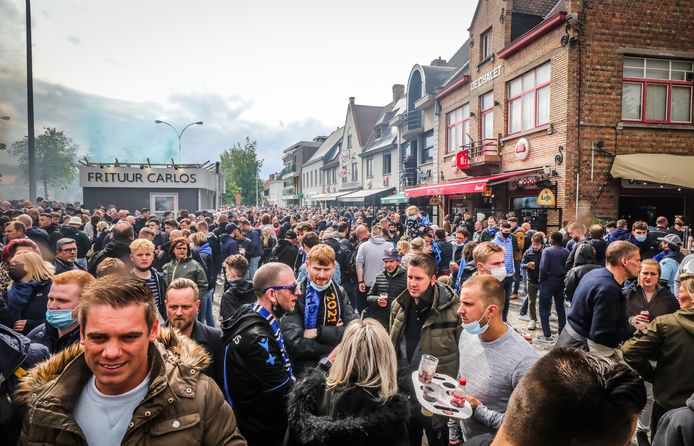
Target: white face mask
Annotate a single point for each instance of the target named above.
(499, 273)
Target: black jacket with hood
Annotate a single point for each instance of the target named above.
(584, 262)
(256, 383)
(344, 416)
(118, 248)
(239, 292)
(285, 252)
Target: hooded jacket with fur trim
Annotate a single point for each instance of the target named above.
(182, 406)
(344, 416)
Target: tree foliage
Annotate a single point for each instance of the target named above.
(56, 159)
(239, 164)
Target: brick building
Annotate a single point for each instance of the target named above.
(555, 95)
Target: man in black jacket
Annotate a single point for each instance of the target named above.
(286, 250)
(66, 256)
(72, 230)
(258, 374)
(119, 247)
(239, 291)
(392, 281)
(182, 306)
(321, 314)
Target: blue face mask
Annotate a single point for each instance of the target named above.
(641, 238)
(474, 328)
(320, 287)
(60, 318)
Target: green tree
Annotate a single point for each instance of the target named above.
(239, 164)
(56, 158)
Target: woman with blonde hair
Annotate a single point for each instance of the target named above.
(357, 403)
(269, 242)
(417, 246)
(27, 296)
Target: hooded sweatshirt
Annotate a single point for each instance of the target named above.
(507, 244)
(676, 428)
(239, 292)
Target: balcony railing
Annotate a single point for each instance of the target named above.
(289, 190)
(290, 168)
(412, 122)
(413, 177)
(484, 157)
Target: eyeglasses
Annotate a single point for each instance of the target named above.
(69, 250)
(291, 287)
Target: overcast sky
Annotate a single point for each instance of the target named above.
(275, 71)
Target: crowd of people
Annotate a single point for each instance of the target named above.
(109, 332)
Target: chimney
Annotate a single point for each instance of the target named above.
(398, 92)
(438, 62)
(351, 100)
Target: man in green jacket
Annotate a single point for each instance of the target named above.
(128, 383)
(424, 321)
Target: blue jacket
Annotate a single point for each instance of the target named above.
(599, 311)
(229, 246)
(553, 264)
(507, 244)
(617, 234)
(257, 244)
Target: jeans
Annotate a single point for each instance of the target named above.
(532, 290)
(253, 266)
(552, 290)
(205, 315)
(516, 276)
(524, 278)
(507, 283)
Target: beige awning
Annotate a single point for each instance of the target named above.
(656, 168)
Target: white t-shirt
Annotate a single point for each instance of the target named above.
(104, 418)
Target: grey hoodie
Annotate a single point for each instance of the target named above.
(370, 258)
(676, 428)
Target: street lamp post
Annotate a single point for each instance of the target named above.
(177, 133)
(257, 183)
(31, 155)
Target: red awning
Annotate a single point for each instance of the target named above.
(467, 186)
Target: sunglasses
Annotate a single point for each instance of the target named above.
(291, 287)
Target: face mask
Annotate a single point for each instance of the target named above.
(277, 310)
(640, 238)
(499, 273)
(413, 217)
(60, 318)
(320, 287)
(474, 328)
(16, 272)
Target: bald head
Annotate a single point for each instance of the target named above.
(362, 232)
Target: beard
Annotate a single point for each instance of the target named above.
(182, 324)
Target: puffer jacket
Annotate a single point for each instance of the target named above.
(394, 285)
(584, 261)
(344, 416)
(188, 269)
(182, 406)
(668, 341)
(28, 301)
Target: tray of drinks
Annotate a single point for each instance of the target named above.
(434, 393)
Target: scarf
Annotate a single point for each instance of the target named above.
(275, 326)
(333, 308)
(461, 266)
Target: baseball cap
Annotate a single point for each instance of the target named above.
(672, 239)
(75, 221)
(290, 234)
(230, 227)
(392, 254)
